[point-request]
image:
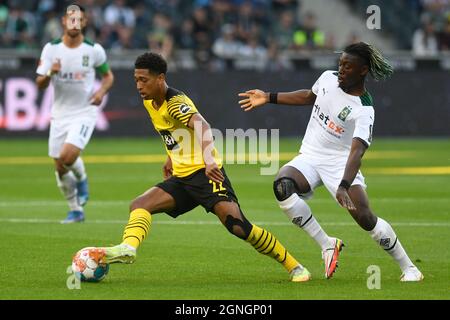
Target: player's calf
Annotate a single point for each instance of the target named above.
(364, 218)
(262, 240)
(266, 243)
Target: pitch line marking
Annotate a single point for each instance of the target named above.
(105, 203)
(156, 158)
(159, 158)
(205, 222)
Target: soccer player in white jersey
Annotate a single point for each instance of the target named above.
(70, 64)
(338, 133)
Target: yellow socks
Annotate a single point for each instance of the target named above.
(265, 243)
(137, 228)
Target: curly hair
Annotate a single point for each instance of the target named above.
(151, 61)
(379, 67)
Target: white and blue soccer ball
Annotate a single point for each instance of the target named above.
(88, 264)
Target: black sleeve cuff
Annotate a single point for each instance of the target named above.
(364, 142)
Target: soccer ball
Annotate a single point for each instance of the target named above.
(88, 265)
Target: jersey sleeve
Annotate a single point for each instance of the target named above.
(100, 63)
(316, 85)
(364, 126)
(181, 109)
(45, 61)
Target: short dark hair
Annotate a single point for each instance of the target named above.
(151, 61)
(379, 67)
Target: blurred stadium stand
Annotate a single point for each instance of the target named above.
(261, 29)
(219, 40)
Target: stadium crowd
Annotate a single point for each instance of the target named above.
(433, 34)
(214, 31)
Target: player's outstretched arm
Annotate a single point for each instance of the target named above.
(255, 98)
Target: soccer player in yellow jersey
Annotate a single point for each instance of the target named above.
(193, 173)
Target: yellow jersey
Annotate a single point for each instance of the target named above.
(171, 122)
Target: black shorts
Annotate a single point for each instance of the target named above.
(197, 189)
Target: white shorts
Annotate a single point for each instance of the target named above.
(319, 171)
(76, 131)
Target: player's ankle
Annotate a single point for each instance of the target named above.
(128, 246)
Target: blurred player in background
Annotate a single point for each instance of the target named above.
(193, 173)
(70, 64)
(338, 134)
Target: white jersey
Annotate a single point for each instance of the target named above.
(336, 118)
(74, 84)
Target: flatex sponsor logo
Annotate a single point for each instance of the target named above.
(324, 120)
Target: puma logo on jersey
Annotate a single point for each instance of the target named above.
(184, 108)
(327, 122)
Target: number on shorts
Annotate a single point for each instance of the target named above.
(84, 130)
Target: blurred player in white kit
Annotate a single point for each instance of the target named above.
(70, 63)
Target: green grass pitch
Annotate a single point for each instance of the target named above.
(194, 257)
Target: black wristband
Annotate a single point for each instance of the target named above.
(345, 184)
(273, 97)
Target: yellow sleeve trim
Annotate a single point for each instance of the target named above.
(180, 109)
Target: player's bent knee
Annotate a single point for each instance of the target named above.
(237, 227)
(284, 187)
(152, 205)
(67, 159)
(137, 203)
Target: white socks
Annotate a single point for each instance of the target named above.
(300, 214)
(78, 169)
(68, 183)
(385, 236)
(68, 186)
